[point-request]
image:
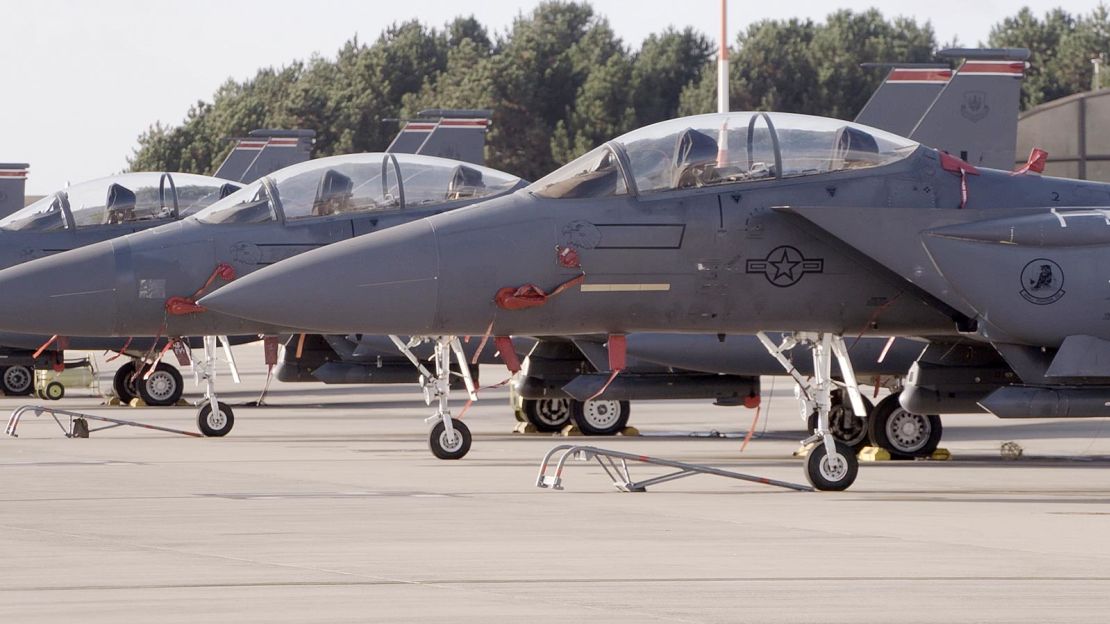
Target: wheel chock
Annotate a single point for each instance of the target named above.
(873, 454)
(113, 401)
(630, 431)
(524, 427)
(183, 403)
(570, 431)
(137, 402)
(941, 454)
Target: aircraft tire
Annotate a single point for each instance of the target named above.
(215, 425)
(831, 476)
(122, 384)
(17, 380)
(443, 447)
(547, 415)
(844, 424)
(162, 388)
(600, 417)
(54, 391)
(903, 434)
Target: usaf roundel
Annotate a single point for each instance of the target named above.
(785, 266)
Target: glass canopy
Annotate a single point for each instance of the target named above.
(123, 198)
(358, 183)
(709, 150)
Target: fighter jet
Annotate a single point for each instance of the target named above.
(559, 375)
(102, 209)
(147, 284)
(674, 227)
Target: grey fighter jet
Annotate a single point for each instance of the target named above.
(559, 375)
(80, 215)
(109, 207)
(673, 227)
(147, 284)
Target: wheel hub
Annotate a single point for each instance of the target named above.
(160, 385)
(216, 419)
(553, 411)
(449, 442)
(17, 378)
(601, 414)
(844, 425)
(908, 432)
(833, 467)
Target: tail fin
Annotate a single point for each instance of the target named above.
(975, 115)
(13, 179)
(455, 134)
(263, 152)
(904, 96)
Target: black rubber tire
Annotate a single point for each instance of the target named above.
(822, 476)
(854, 434)
(122, 384)
(442, 448)
(17, 380)
(54, 391)
(215, 427)
(597, 418)
(885, 433)
(547, 415)
(163, 388)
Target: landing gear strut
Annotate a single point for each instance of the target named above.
(831, 464)
(449, 438)
(214, 419)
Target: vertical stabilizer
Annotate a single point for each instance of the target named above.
(975, 115)
(455, 134)
(13, 180)
(263, 152)
(904, 96)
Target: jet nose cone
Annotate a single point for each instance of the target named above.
(69, 294)
(384, 282)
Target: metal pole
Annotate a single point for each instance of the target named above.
(722, 62)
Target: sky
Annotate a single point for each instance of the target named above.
(80, 81)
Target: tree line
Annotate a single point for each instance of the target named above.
(560, 81)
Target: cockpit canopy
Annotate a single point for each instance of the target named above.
(717, 149)
(358, 183)
(123, 198)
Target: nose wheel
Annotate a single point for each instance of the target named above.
(454, 444)
(449, 438)
(215, 423)
(832, 472)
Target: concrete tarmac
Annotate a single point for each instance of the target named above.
(326, 506)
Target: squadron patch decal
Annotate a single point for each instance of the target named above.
(1042, 282)
(785, 266)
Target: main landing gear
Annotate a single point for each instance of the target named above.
(161, 387)
(831, 464)
(449, 438)
(903, 434)
(600, 417)
(17, 380)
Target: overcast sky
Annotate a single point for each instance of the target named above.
(81, 80)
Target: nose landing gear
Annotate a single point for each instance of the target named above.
(449, 438)
(831, 464)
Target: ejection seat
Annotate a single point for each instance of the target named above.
(120, 205)
(466, 182)
(333, 195)
(854, 148)
(695, 157)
